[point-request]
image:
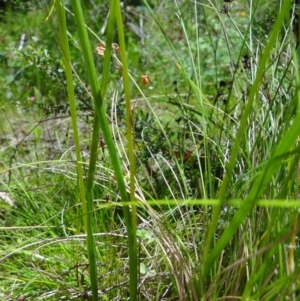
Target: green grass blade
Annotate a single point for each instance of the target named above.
(92, 76)
(130, 141)
(129, 117)
(101, 119)
(68, 69)
(263, 178)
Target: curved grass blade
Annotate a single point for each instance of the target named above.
(286, 143)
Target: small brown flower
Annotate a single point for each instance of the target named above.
(115, 46)
(146, 79)
(101, 48)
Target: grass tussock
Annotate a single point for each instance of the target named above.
(149, 152)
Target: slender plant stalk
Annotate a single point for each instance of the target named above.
(64, 44)
(130, 141)
(87, 203)
(86, 49)
(100, 120)
(129, 115)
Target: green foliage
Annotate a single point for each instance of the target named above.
(212, 99)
